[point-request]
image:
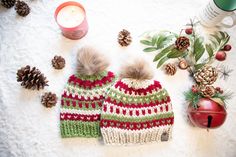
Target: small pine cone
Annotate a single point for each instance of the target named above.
(124, 38)
(170, 69)
(182, 43)
(8, 3)
(22, 8)
(207, 91)
(207, 75)
(31, 78)
(58, 62)
(49, 99)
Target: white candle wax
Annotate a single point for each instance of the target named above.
(70, 16)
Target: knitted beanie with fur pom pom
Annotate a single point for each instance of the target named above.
(84, 94)
(137, 109)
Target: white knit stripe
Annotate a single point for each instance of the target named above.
(122, 136)
(89, 90)
(83, 112)
(87, 93)
(137, 84)
(140, 110)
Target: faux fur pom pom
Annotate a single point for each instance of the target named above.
(139, 69)
(90, 61)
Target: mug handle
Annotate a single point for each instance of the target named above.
(233, 16)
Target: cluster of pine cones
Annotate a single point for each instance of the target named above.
(205, 77)
(21, 7)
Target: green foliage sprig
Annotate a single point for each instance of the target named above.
(163, 44)
(194, 97)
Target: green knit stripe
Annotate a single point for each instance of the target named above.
(92, 77)
(83, 104)
(138, 118)
(79, 129)
(125, 98)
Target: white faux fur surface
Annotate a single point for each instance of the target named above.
(28, 129)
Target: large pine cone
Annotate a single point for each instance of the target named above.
(207, 91)
(170, 69)
(8, 3)
(22, 8)
(124, 38)
(182, 43)
(58, 62)
(31, 78)
(207, 75)
(49, 99)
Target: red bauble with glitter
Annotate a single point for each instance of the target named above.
(208, 115)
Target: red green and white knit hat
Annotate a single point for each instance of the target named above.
(137, 109)
(84, 94)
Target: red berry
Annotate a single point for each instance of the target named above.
(220, 55)
(189, 31)
(227, 47)
(194, 89)
(218, 88)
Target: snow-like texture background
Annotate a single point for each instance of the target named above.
(28, 129)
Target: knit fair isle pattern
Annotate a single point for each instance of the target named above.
(136, 112)
(81, 104)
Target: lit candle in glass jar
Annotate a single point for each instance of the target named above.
(71, 18)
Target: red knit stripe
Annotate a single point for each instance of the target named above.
(128, 90)
(88, 104)
(151, 104)
(142, 112)
(136, 125)
(91, 84)
(81, 117)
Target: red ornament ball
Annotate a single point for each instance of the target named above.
(227, 47)
(209, 114)
(189, 31)
(220, 55)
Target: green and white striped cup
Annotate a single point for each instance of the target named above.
(216, 11)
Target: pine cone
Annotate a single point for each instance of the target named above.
(182, 43)
(207, 91)
(124, 38)
(22, 8)
(8, 3)
(207, 75)
(58, 62)
(170, 69)
(31, 78)
(49, 99)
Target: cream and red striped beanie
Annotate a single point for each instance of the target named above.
(137, 108)
(84, 94)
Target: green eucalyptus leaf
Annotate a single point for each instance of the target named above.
(198, 49)
(216, 37)
(154, 39)
(159, 42)
(223, 35)
(199, 66)
(163, 40)
(162, 61)
(162, 53)
(209, 50)
(146, 42)
(215, 44)
(225, 41)
(150, 49)
(174, 53)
